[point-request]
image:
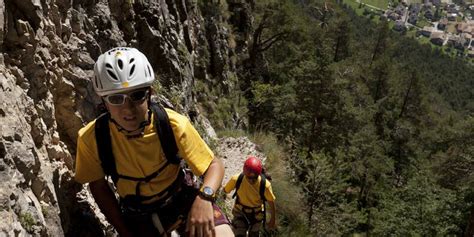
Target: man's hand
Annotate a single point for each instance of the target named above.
(109, 206)
(272, 224)
(201, 219)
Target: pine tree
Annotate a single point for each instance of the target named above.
(267, 32)
(381, 42)
(341, 39)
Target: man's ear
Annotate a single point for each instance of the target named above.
(152, 91)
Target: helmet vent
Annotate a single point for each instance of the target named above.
(113, 50)
(96, 83)
(132, 60)
(120, 64)
(112, 74)
(107, 65)
(132, 70)
(149, 70)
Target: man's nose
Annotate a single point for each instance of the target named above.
(128, 104)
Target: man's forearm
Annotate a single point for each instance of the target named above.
(108, 204)
(272, 210)
(214, 174)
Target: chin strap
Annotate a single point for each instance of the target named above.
(141, 126)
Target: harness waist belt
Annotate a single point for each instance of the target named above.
(138, 204)
(248, 209)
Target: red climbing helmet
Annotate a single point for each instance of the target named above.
(253, 165)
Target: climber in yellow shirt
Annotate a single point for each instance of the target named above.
(252, 189)
(142, 147)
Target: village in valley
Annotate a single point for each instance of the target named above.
(444, 23)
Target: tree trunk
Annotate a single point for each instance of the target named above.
(336, 51)
(407, 94)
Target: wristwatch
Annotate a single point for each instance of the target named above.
(207, 193)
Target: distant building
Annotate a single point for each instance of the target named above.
(427, 30)
(464, 27)
(436, 2)
(437, 38)
(452, 16)
(452, 40)
(459, 41)
(415, 8)
(400, 10)
(399, 26)
(442, 24)
(412, 19)
(427, 5)
(467, 37)
(449, 6)
(470, 53)
(429, 15)
(393, 16)
(452, 9)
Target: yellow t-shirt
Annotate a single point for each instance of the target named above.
(249, 194)
(140, 157)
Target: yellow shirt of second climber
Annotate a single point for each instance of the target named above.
(249, 194)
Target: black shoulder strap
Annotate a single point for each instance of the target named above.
(104, 146)
(104, 141)
(237, 185)
(262, 196)
(165, 133)
(262, 187)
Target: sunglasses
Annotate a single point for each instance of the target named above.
(134, 96)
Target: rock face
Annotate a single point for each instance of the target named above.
(48, 51)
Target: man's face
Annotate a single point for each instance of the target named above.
(128, 109)
(251, 177)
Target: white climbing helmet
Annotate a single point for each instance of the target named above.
(121, 69)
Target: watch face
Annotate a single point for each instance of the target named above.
(208, 191)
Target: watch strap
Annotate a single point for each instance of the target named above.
(206, 196)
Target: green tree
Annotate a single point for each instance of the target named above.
(419, 208)
(370, 172)
(325, 191)
(381, 42)
(341, 39)
(267, 32)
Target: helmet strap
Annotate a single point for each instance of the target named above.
(128, 133)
